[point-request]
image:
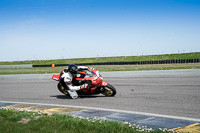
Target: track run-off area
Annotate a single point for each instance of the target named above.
(170, 94)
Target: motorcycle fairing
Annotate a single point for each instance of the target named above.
(104, 83)
(56, 77)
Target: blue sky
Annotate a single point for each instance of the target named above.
(56, 29)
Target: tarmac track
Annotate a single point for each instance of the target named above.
(167, 92)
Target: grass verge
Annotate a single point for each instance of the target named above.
(44, 70)
(195, 55)
(23, 121)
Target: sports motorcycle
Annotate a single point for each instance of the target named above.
(95, 82)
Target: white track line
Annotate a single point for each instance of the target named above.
(113, 110)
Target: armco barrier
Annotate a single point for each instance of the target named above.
(131, 63)
(16, 66)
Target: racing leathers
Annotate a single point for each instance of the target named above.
(66, 79)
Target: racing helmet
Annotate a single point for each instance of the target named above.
(72, 68)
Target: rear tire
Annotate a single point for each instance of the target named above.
(109, 90)
(62, 89)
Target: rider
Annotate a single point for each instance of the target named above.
(67, 76)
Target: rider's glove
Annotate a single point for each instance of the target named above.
(84, 86)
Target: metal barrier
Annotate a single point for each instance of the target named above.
(130, 63)
(16, 66)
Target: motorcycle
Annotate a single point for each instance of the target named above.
(95, 82)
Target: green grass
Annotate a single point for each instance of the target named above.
(102, 68)
(195, 55)
(12, 121)
(44, 70)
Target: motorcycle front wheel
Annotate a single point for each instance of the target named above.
(109, 90)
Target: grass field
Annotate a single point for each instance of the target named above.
(26, 122)
(195, 55)
(44, 70)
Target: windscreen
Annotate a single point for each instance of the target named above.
(90, 73)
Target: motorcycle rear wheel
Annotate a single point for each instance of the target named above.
(109, 90)
(62, 89)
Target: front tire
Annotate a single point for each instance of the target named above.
(109, 90)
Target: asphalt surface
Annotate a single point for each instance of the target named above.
(168, 92)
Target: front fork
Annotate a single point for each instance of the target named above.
(102, 86)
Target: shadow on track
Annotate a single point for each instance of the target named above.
(80, 96)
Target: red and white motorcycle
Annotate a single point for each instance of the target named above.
(95, 82)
